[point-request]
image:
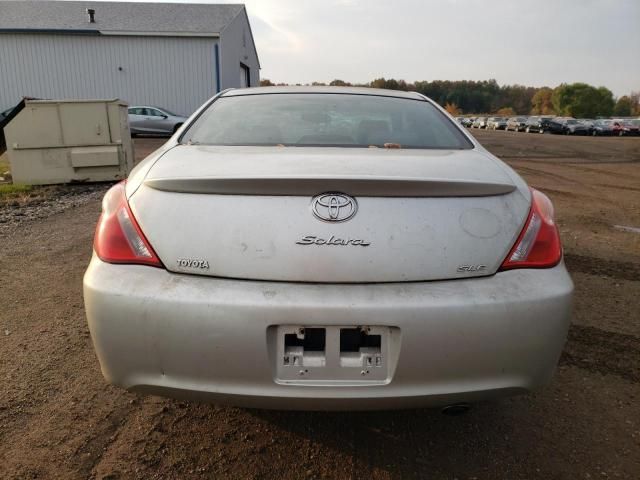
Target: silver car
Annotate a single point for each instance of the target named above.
(326, 248)
(496, 123)
(154, 120)
(480, 122)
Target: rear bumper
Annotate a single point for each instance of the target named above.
(207, 339)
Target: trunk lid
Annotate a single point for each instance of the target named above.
(249, 213)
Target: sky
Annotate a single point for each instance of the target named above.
(534, 43)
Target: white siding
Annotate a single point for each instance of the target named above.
(172, 72)
(237, 47)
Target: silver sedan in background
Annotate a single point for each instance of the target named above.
(327, 248)
(154, 120)
(496, 123)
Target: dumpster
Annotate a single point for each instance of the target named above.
(5, 117)
(65, 141)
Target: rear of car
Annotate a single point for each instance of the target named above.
(571, 126)
(326, 249)
(480, 122)
(557, 125)
(516, 124)
(496, 123)
(602, 128)
(634, 126)
(626, 127)
(537, 124)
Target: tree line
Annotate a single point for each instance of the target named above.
(578, 100)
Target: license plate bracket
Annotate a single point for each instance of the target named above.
(333, 354)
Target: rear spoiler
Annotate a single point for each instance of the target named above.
(311, 185)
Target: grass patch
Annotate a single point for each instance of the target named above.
(13, 189)
(10, 192)
(4, 163)
(19, 194)
(16, 195)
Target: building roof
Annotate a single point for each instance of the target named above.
(132, 18)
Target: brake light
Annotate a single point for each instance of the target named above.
(538, 245)
(118, 237)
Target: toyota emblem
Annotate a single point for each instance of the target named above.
(334, 207)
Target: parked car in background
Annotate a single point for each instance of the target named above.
(616, 128)
(602, 128)
(571, 126)
(537, 124)
(496, 123)
(480, 122)
(153, 120)
(211, 251)
(517, 124)
(635, 123)
(626, 127)
(556, 125)
(567, 126)
(468, 121)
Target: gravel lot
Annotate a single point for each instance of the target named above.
(58, 419)
(44, 201)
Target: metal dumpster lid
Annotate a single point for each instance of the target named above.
(4, 121)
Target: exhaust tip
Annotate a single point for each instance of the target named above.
(456, 409)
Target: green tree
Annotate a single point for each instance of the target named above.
(392, 84)
(635, 102)
(484, 96)
(624, 107)
(402, 85)
(517, 96)
(379, 83)
(265, 82)
(506, 112)
(606, 103)
(468, 95)
(339, 83)
(541, 103)
(582, 101)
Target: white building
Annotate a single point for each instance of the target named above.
(171, 55)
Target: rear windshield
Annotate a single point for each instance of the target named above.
(325, 120)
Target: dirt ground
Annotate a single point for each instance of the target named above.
(58, 418)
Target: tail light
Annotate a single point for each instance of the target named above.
(118, 237)
(538, 245)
